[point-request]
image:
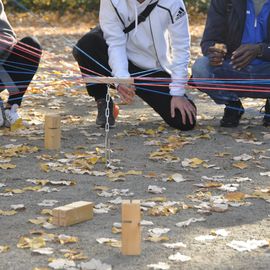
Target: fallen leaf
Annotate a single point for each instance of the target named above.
(8, 213)
(240, 165)
(155, 189)
(243, 157)
(203, 238)
(95, 265)
(178, 257)
(175, 245)
(235, 196)
(43, 251)
(61, 264)
(4, 249)
(33, 243)
(189, 221)
(66, 239)
(109, 241)
(156, 238)
(177, 177)
(7, 166)
(248, 245)
(159, 266)
(17, 206)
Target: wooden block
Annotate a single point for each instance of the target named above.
(221, 47)
(52, 121)
(131, 229)
(73, 213)
(52, 139)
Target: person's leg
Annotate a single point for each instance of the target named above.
(208, 79)
(159, 99)
(204, 78)
(16, 73)
(19, 68)
(91, 53)
(260, 77)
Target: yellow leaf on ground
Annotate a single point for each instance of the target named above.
(156, 199)
(17, 125)
(240, 165)
(36, 188)
(261, 194)
(235, 196)
(7, 166)
(93, 160)
(33, 243)
(4, 249)
(133, 172)
(66, 239)
(46, 212)
(116, 230)
(156, 238)
(38, 221)
(163, 211)
(8, 213)
(75, 255)
(44, 167)
(14, 191)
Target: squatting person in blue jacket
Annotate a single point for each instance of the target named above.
(241, 29)
(138, 36)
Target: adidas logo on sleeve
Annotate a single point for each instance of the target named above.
(181, 12)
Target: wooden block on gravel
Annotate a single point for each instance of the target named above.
(73, 213)
(131, 229)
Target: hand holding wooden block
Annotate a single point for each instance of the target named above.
(222, 47)
(131, 228)
(72, 213)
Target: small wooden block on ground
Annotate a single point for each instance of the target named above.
(52, 121)
(131, 229)
(52, 138)
(73, 213)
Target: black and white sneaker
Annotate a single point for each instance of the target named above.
(11, 115)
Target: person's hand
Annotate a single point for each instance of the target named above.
(127, 92)
(216, 54)
(185, 107)
(244, 55)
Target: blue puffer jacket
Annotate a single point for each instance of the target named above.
(225, 24)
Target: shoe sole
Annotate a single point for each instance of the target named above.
(103, 126)
(229, 125)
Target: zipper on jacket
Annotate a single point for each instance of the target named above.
(255, 23)
(154, 41)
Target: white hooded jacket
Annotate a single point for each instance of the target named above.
(161, 41)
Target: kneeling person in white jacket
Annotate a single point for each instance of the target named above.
(126, 46)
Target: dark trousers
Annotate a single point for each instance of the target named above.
(20, 66)
(92, 50)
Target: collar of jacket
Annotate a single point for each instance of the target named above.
(240, 7)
